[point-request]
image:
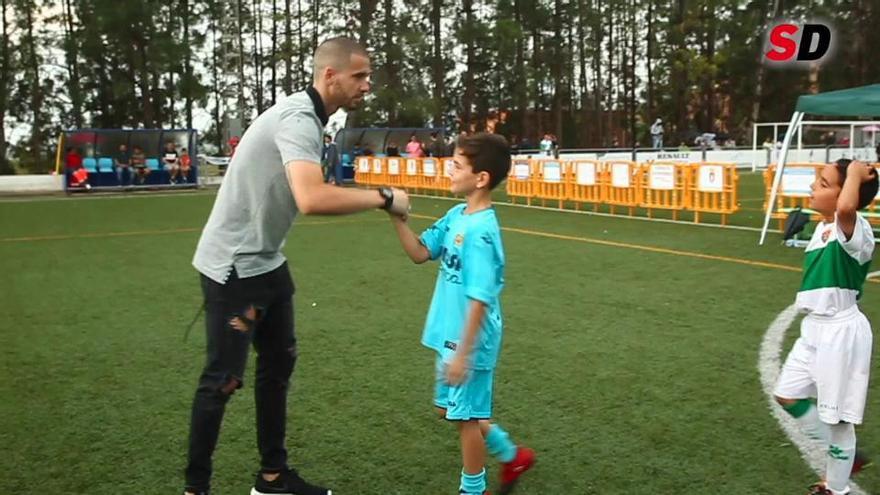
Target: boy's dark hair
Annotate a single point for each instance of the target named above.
(867, 190)
(487, 153)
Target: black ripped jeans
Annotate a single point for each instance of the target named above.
(244, 311)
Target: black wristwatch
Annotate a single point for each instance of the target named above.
(388, 194)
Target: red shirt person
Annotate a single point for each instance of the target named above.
(73, 160)
(233, 142)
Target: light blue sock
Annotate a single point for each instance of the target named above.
(473, 484)
(499, 445)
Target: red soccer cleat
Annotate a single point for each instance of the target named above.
(860, 462)
(511, 471)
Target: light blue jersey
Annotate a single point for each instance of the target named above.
(471, 267)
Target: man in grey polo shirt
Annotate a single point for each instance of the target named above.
(248, 291)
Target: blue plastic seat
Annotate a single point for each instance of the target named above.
(105, 164)
(90, 164)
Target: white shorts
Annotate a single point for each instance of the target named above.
(830, 361)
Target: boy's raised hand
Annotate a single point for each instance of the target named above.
(864, 171)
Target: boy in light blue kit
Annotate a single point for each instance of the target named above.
(464, 323)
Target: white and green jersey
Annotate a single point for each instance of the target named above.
(835, 268)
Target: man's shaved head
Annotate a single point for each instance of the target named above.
(342, 73)
(336, 53)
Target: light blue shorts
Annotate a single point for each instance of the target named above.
(469, 400)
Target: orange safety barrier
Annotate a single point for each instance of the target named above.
(394, 172)
(713, 189)
(663, 186)
(584, 182)
(362, 170)
(412, 174)
(550, 181)
(520, 183)
(377, 172)
(430, 170)
(444, 178)
(621, 184)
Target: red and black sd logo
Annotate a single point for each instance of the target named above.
(793, 43)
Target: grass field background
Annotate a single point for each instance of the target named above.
(629, 359)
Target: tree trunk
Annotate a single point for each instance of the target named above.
(390, 69)
(300, 47)
(368, 8)
(187, 65)
(597, 80)
(437, 72)
(157, 96)
(36, 96)
(520, 91)
(556, 70)
(538, 119)
(242, 113)
(287, 52)
(107, 118)
(71, 45)
(143, 78)
(5, 72)
(467, 100)
(584, 135)
(633, 81)
(569, 105)
(274, 57)
(215, 75)
(134, 117)
(707, 16)
(649, 54)
(759, 74)
(861, 41)
(170, 96)
(365, 18)
(678, 76)
(316, 19)
(258, 53)
(612, 131)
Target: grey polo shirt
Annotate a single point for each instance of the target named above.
(254, 208)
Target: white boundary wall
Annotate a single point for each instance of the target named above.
(31, 183)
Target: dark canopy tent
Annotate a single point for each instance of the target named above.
(863, 101)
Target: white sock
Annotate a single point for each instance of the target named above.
(807, 416)
(841, 453)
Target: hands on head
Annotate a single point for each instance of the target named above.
(864, 171)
